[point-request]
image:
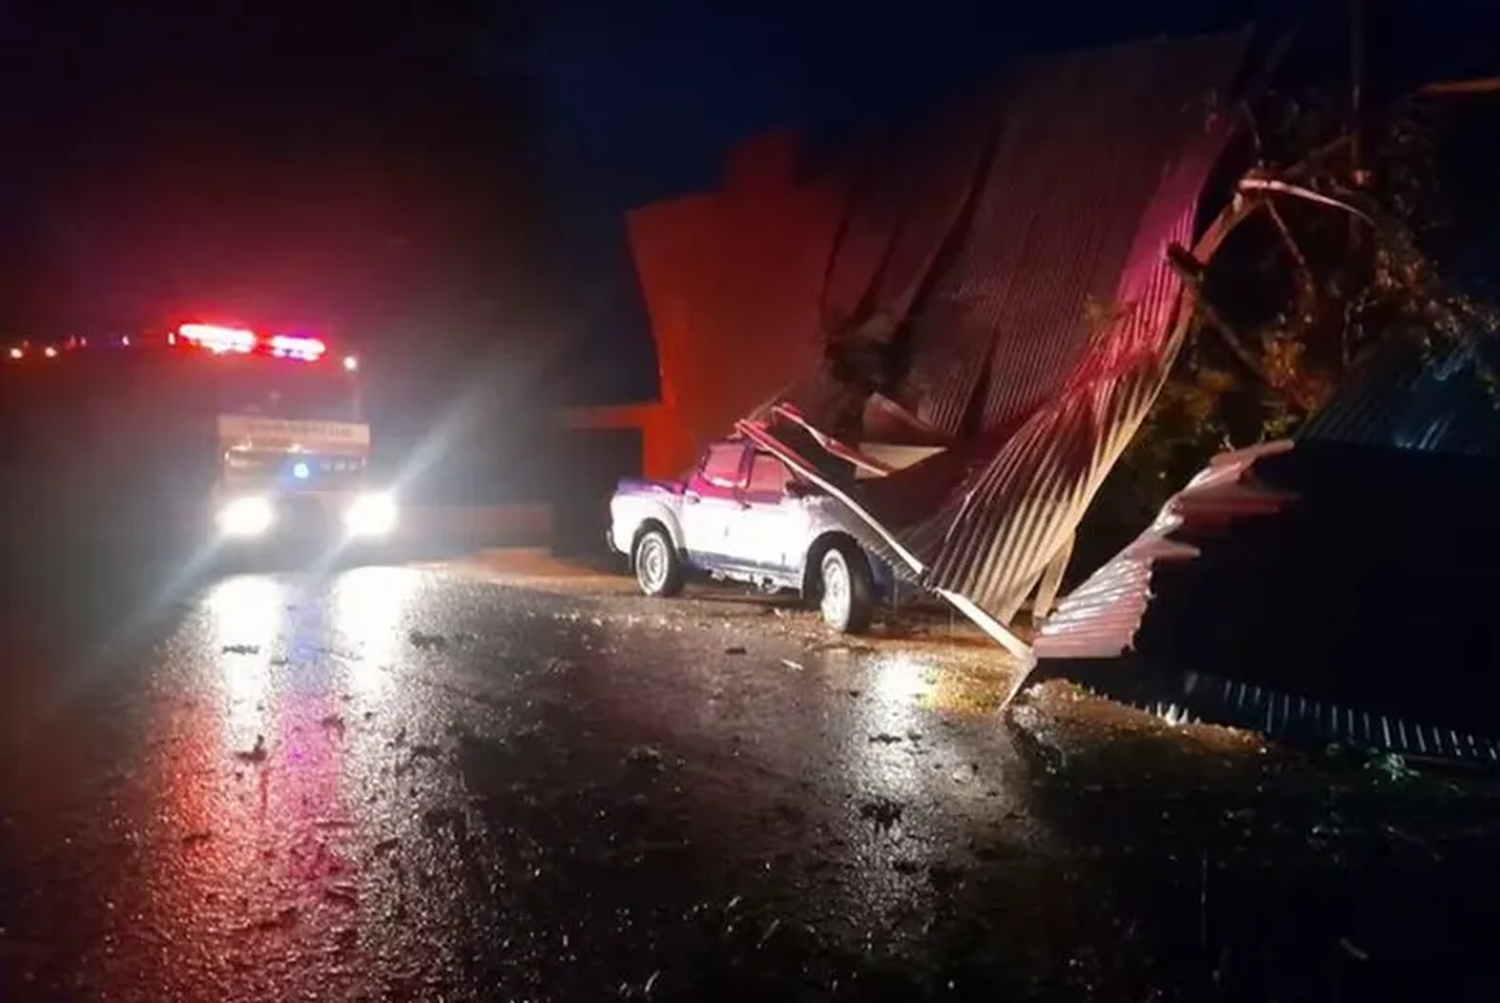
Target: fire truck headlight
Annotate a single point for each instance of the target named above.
(246, 517)
(371, 515)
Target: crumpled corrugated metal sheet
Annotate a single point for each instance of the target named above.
(1002, 277)
(1046, 324)
(1401, 399)
(994, 536)
(1100, 618)
(1077, 195)
(1315, 589)
(1340, 617)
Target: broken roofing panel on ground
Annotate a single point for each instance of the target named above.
(1319, 589)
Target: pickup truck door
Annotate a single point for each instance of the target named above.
(711, 505)
(770, 531)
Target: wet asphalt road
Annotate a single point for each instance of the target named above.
(446, 782)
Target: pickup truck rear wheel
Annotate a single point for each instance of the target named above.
(846, 589)
(658, 569)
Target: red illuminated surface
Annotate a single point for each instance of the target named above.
(254, 832)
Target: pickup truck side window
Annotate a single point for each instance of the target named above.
(721, 465)
(768, 476)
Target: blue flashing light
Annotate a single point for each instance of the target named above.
(301, 471)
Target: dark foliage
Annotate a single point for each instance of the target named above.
(1303, 291)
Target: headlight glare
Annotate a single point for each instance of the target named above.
(371, 515)
(246, 517)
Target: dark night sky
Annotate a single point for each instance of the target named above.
(464, 166)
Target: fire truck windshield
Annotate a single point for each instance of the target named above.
(286, 389)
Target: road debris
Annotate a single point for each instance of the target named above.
(645, 756)
(285, 919)
(343, 894)
(427, 642)
(1353, 950)
(256, 753)
(883, 812)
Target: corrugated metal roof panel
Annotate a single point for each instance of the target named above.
(1094, 168)
(1100, 618)
(1310, 585)
(960, 283)
(1078, 391)
(1405, 399)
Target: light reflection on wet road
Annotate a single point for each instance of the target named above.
(419, 783)
(405, 782)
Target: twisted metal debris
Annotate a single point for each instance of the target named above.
(1319, 589)
(1012, 300)
(1012, 287)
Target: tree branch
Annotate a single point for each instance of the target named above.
(1304, 270)
(1445, 88)
(1314, 160)
(1307, 293)
(1253, 183)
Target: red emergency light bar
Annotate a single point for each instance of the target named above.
(285, 345)
(219, 339)
(215, 338)
(241, 341)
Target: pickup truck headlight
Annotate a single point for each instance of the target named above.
(371, 515)
(245, 517)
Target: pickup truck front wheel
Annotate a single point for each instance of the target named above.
(658, 569)
(846, 590)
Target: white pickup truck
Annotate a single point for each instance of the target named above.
(742, 515)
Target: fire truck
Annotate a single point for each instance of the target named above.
(204, 427)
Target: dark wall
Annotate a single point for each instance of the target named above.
(101, 462)
(584, 469)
